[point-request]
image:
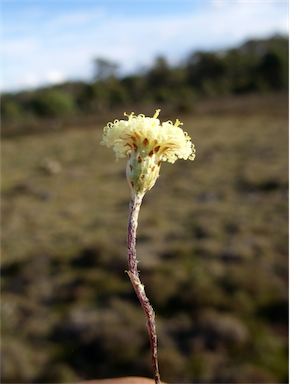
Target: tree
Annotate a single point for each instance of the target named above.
(53, 103)
(104, 69)
(272, 71)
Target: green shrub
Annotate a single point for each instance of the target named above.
(10, 110)
(53, 103)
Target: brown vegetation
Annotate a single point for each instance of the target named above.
(212, 241)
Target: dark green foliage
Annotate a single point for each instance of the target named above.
(136, 87)
(205, 68)
(10, 109)
(52, 103)
(272, 71)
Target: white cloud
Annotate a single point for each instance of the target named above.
(55, 77)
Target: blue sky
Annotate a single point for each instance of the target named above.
(46, 42)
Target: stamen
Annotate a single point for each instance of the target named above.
(178, 123)
(156, 113)
(129, 116)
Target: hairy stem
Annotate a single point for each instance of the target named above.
(138, 286)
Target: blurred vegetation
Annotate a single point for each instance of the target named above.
(212, 238)
(255, 66)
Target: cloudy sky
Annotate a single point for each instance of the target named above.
(46, 42)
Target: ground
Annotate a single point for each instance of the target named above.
(212, 243)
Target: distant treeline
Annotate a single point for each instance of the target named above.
(256, 66)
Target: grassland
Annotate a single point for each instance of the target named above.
(212, 244)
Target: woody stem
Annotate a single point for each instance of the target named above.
(138, 286)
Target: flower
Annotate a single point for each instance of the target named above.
(167, 140)
(147, 142)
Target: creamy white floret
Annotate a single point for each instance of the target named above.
(167, 141)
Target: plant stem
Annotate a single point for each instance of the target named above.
(138, 286)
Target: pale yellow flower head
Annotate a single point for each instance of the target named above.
(147, 142)
(166, 139)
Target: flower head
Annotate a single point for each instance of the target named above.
(147, 142)
(167, 140)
